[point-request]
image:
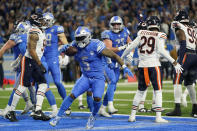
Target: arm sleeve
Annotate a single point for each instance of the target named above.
(131, 46)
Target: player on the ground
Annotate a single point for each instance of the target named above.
(151, 44)
(115, 39)
(90, 56)
(187, 57)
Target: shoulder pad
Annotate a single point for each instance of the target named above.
(105, 34)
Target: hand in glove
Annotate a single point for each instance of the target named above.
(126, 70)
(122, 47)
(43, 69)
(178, 68)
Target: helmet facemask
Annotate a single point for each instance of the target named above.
(116, 24)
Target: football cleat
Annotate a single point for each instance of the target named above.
(11, 115)
(131, 119)
(176, 111)
(161, 120)
(90, 123)
(112, 110)
(102, 112)
(68, 111)
(143, 110)
(55, 121)
(39, 115)
(81, 107)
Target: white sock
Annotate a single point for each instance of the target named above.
(192, 93)
(177, 93)
(158, 99)
(137, 97)
(185, 93)
(16, 97)
(133, 113)
(110, 104)
(158, 114)
(80, 98)
(40, 96)
(153, 100)
(141, 105)
(54, 108)
(25, 96)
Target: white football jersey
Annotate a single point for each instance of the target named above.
(151, 44)
(40, 43)
(190, 35)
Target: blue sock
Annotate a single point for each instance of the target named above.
(65, 105)
(50, 97)
(97, 106)
(110, 92)
(11, 98)
(61, 90)
(105, 100)
(90, 103)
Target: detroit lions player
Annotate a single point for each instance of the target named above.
(53, 34)
(115, 39)
(90, 56)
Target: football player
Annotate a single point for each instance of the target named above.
(90, 56)
(150, 43)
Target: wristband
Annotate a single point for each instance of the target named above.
(124, 66)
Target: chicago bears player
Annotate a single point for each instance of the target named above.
(54, 33)
(151, 44)
(90, 56)
(18, 41)
(31, 67)
(115, 39)
(186, 37)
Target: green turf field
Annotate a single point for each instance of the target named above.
(123, 99)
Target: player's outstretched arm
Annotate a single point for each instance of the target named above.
(63, 38)
(9, 44)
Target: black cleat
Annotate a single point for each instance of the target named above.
(39, 115)
(68, 111)
(81, 107)
(176, 111)
(194, 111)
(11, 116)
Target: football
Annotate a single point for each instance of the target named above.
(71, 51)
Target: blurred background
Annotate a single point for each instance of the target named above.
(96, 15)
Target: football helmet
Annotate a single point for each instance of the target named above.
(37, 19)
(116, 24)
(82, 36)
(142, 26)
(22, 27)
(49, 18)
(182, 16)
(153, 22)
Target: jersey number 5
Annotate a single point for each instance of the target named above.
(150, 42)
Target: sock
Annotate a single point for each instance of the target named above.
(185, 93)
(65, 105)
(97, 106)
(137, 97)
(90, 103)
(11, 98)
(50, 97)
(177, 93)
(80, 98)
(32, 92)
(110, 104)
(141, 105)
(105, 100)
(158, 100)
(153, 100)
(192, 93)
(158, 114)
(54, 108)
(25, 96)
(40, 95)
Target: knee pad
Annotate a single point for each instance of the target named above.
(42, 88)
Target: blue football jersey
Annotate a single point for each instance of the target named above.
(90, 59)
(51, 49)
(118, 39)
(21, 43)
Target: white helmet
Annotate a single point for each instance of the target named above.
(49, 18)
(116, 20)
(82, 36)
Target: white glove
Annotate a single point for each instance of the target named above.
(122, 47)
(129, 57)
(15, 64)
(178, 68)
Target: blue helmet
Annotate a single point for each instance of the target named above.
(82, 36)
(116, 20)
(22, 27)
(153, 22)
(182, 16)
(49, 18)
(142, 26)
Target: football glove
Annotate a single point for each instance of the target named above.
(178, 68)
(43, 69)
(126, 70)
